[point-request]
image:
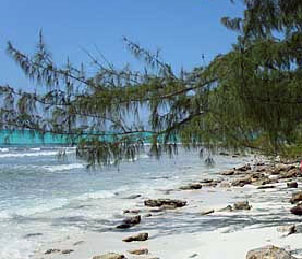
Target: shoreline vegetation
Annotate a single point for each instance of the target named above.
(249, 212)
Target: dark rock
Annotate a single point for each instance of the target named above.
(109, 256)
(130, 222)
(136, 237)
(290, 174)
(160, 202)
(135, 196)
(266, 187)
(132, 211)
(207, 212)
(223, 154)
(192, 186)
(207, 180)
(244, 168)
(296, 197)
(67, 251)
(52, 251)
(296, 210)
(242, 205)
(285, 168)
(32, 235)
(78, 243)
(242, 181)
(212, 184)
(269, 252)
(292, 185)
(259, 164)
(140, 251)
(227, 208)
(287, 229)
(229, 172)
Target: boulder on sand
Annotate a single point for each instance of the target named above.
(140, 251)
(269, 252)
(136, 237)
(109, 256)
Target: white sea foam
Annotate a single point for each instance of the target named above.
(65, 167)
(33, 154)
(103, 194)
(4, 149)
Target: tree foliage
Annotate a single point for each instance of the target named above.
(250, 97)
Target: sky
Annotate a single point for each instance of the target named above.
(183, 30)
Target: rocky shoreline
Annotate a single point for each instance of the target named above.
(263, 177)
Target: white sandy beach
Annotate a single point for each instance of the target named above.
(185, 233)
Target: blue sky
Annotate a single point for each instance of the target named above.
(182, 29)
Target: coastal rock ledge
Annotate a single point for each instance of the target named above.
(161, 202)
(269, 252)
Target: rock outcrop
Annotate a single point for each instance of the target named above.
(269, 252)
(161, 202)
(109, 256)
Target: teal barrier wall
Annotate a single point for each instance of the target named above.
(31, 137)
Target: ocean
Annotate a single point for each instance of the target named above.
(43, 198)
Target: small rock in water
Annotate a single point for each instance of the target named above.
(78, 243)
(296, 210)
(244, 168)
(130, 222)
(140, 251)
(224, 185)
(136, 237)
(135, 196)
(287, 229)
(160, 202)
(229, 172)
(67, 251)
(109, 256)
(227, 208)
(242, 181)
(242, 205)
(266, 187)
(207, 212)
(269, 252)
(132, 211)
(52, 251)
(296, 197)
(292, 185)
(167, 207)
(32, 235)
(192, 186)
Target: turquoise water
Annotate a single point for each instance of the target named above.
(43, 198)
(31, 137)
